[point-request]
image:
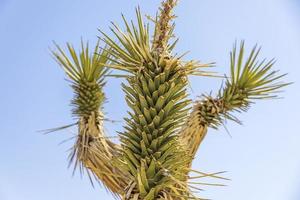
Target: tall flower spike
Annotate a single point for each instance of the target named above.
(164, 27)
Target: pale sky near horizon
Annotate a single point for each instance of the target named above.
(262, 156)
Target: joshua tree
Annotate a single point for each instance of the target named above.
(164, 128)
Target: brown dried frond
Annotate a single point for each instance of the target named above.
(94, 152)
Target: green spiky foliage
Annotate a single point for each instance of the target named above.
(164, 128)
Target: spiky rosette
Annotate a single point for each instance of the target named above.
(250, 80)
(86, 73)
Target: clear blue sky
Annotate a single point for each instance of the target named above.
(262, 158)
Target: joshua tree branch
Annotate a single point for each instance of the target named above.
(93, 151)
(249, 81)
